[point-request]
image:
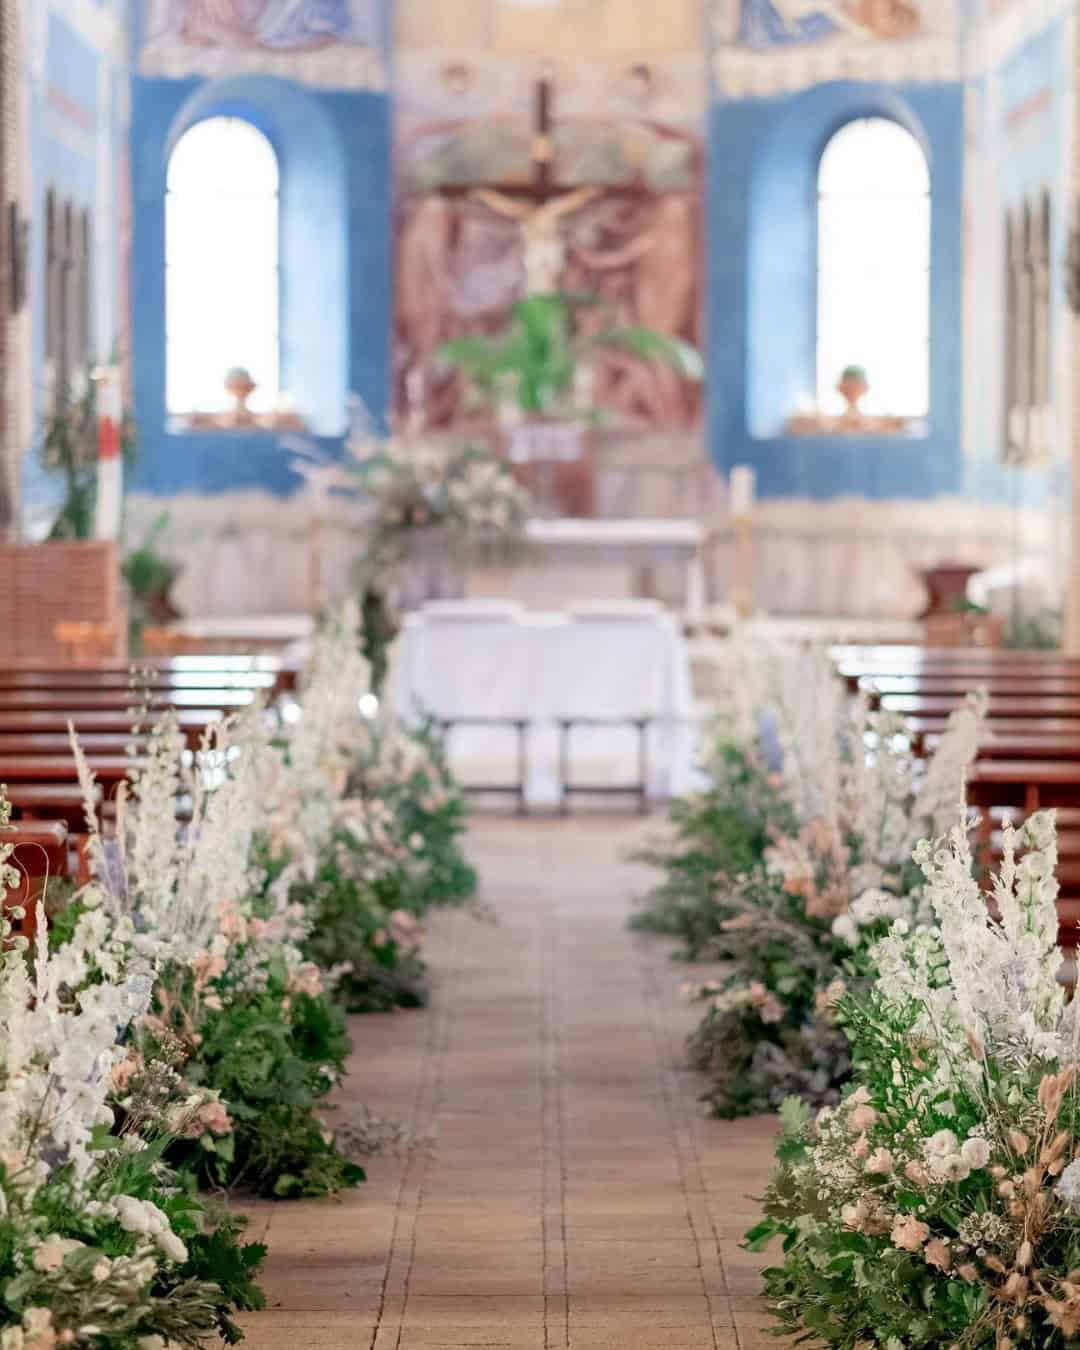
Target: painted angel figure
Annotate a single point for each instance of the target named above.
(276, 25)
(765, 23)
(541, 232)
(291, 25)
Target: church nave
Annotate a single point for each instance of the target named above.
(573, 1192)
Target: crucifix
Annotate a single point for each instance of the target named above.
(539, 205)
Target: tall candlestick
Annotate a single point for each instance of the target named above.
(110, 477)
(741, 490)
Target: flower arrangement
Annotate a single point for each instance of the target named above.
(234, 999)
(380, 821)
(938, 1203)
(791, 866)
(100, 1241)
(460, 504)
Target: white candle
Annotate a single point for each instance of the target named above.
(110, 486)
(741, 490)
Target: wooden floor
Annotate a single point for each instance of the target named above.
(575, 1195)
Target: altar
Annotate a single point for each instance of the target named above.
(604, 560)
(536, 702)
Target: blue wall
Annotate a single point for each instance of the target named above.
(334, 153)
(763, 157)
(77, 103)
(1019, 135)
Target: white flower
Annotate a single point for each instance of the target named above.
(131, 1215)
(952, 1168)
(942, 1144)
(880, 1162)
(50, 1255)
(171, 1245)
(1068, 1187)
(975, 1152)
(844, 928)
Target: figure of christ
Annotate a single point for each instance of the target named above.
(663, 293)
(543, 243)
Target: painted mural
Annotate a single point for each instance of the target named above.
(622, 220)
(766, 46)
(328, 42)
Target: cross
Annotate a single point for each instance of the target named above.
(539, 205)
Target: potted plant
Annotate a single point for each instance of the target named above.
(150, 577)
(540, 354)
(853, 386)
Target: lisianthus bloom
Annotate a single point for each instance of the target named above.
(404, 929)
(938, 1254)
(909, 1233)
(975, 1152)
(51, 1253)
(214, 1117)
(880, 1163)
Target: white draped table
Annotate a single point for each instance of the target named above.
(604, 559)
(475, 659)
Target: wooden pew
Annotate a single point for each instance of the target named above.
(1029, 751)
(899, 658)
(49, 802)
(163, 682)
(995, 744)
(957, 686)
(103, 721)
(58, 743)
(108, 769)
(121, 700)
(1036, 707)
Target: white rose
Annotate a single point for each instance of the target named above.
(131, 1215)
(845, 929)
(171, 1245)
(975, 1152)
(880, 1162)
(942, 1144)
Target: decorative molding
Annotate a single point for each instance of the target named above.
(340, 66)
(743, 72)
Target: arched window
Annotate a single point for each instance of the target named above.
(222, 296)
(874, 267)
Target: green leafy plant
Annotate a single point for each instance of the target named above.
(939, 1203)
(70, 451)
(272, 1055)
(542, 347)
(149, 576)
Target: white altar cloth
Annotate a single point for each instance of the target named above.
(625, 660)
(608, 559)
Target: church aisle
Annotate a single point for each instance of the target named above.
(575, 1195)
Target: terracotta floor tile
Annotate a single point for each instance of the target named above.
(571, 1192)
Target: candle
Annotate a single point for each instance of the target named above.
(741, 490)
(110, 483)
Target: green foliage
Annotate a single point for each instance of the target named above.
(352, 928)
(99, 1281)
(541, 349)
(847, 1281)
(402, 858)
(719, 835)
(272, 1057)
(70, 451)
